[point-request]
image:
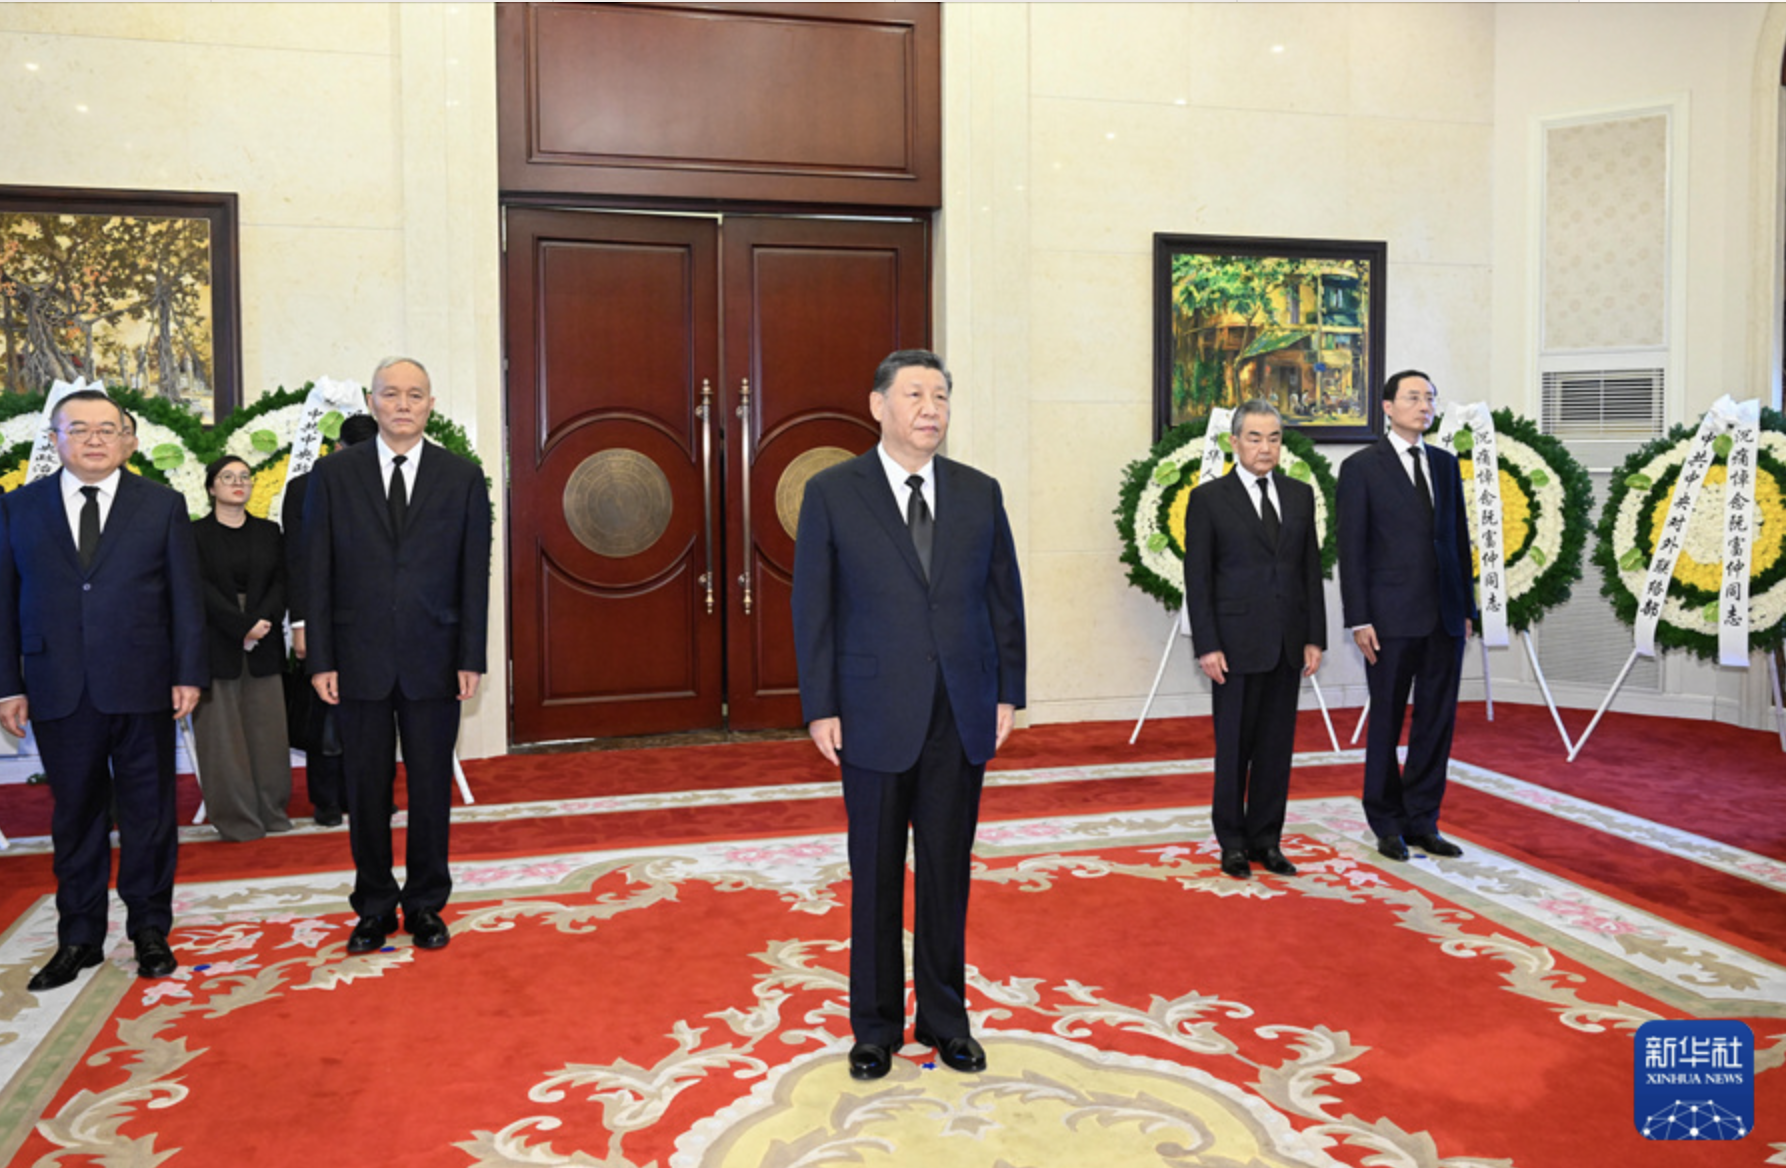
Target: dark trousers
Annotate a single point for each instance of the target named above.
(1404, 800)
(939, 799)
(325, 776)
(1255, 736)
(370, 731)
(93, 761)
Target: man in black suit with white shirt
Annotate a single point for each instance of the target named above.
(1405, 580)
(102, 648)
(908, 627)
(397, 536)
(1252, 572)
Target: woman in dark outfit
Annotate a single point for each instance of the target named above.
(243, 753)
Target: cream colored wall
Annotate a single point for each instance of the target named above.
(360, 139)
(1072, 133)
(1720, 65)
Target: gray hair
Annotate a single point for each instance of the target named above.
(390, 361)
(1257, 405)
(905, 359)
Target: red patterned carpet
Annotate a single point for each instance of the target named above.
(649, 953)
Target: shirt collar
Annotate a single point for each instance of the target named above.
(1402, 446)
(1248, 477)
(108, 486)
(386, 455)
(898, 474)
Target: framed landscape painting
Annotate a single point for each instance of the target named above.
(1298, 322)
(130, 288)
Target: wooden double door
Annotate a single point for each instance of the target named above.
(673, 381)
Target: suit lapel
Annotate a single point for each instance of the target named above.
(1397, 467)
(1242, 502)
(947, 492)
(371, 477)
(125, 502)
(877, 495)
(427, 480)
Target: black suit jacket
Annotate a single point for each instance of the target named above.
(1394, 574)
(871, 634)
(127, 630)
(1254, 602)
(226, 622)
(291, 524)
(385, 614)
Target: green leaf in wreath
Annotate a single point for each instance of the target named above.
(1709, 614)
(331, 424)
(1639, 482)
(1158, 541)
(264, 441)
(1165, 472)
(167, 456)
(1632, 560)
(1301, 473)
(1539, 478)
(1226, 442)
(1538, 556)
(1721, 445)
(1464, 440)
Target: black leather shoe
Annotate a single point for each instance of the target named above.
(1392, 847)
(329, 817)
(868, 1061)
(64, 966)
(1273, 859)
(958, 1054)
(1434, 844)
(1234, 864)
(429, 931)
(153, 957)
(370, 933)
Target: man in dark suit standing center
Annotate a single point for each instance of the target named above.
(397, 535)
(908, 625)
(1252, 587)
(1405, 572)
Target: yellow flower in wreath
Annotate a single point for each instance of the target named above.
(1516, 513)
(269, 477)
(1175, 511)
(1701, 563)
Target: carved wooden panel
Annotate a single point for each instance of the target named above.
(792, 103)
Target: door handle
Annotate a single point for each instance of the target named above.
(704, 411)
(744, 478)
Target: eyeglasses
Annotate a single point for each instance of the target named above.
(235, 480)
(80, 432)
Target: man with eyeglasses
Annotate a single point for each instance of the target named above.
(102, 648)
(1405, 582)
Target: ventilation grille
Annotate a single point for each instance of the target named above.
(1619, 403)
(1581, 641)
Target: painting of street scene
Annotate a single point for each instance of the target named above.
(124, 299)
(1295, 322)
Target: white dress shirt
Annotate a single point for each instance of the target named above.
(73, 500)
(1401, 452)
(387, 463)
(896, 476)
(1252, 491)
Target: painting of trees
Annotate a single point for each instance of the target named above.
(128, 298)
(1296, 322)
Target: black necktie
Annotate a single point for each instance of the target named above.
(1267, 512)
(399, 497)
(89, 545)
(917, 517)
(1420, 484)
